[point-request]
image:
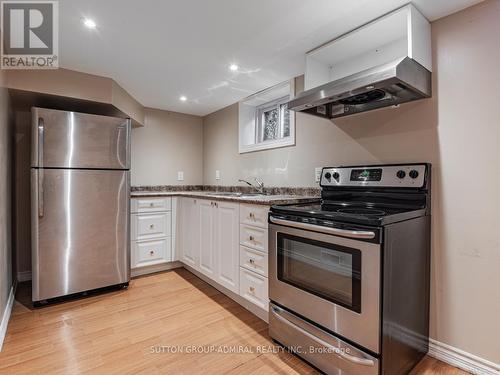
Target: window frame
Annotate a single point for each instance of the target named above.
(259, 119)
(251, 125)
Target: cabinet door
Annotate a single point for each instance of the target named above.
(190, 231)
(227, 245)
(207, 242)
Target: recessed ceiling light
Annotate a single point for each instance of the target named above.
(183, 98)
(89, 23)
(233, 67)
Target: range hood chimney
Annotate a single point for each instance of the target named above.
(383, 63)
(397, 82)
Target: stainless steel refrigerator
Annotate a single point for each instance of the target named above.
(80, 182)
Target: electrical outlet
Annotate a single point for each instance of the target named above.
(180, 176)
(217, 174)
(317, 173)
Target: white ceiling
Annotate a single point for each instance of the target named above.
(159, 50)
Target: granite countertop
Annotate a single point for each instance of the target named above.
(274, 197)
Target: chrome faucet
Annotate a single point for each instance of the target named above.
(259, 187)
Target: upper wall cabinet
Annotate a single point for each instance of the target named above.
(402, 33)
(265, 121)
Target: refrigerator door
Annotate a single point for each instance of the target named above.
(63, 139)
(80, 230)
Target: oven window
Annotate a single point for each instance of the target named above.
(326, 270)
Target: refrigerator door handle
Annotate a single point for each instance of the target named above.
(40, 193)
(41, 141)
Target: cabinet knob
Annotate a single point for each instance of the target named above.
(251, 261)
(250, 238)
(251, 215)
(252, 289)
(151, 226)
(151, 204)
(151, 252)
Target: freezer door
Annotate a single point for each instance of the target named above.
(80, 230)
(63, 139)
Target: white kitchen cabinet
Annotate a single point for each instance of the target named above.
(253, 260)
(151, 230)
(252, 214)
(253, 287)
(253, 254)
(217, 240)
(227, 244)
(253, 237)
(151, 225)
(152, 252)
(154, 204)
(207, 245)
(190, 231)
(402, 33)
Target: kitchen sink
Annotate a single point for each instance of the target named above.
(238, 194)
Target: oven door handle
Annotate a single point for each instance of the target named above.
(336, 231)
(338, 351)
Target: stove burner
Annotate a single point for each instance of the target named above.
(363, 98)
(361, 211)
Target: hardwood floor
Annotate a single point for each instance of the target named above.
(132, 331)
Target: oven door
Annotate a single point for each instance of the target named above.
(331, 280)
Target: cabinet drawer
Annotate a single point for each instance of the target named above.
(254, 215)
(146, 253)
(253, 260)
(138, 205)
(253, 237)
(147, 226)
(253, 287)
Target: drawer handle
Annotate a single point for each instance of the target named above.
(151, 252)
(251, 261)
(251, 238)
(151, 226)
(251, 289)
(251, 215)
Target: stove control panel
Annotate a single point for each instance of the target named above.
(409, 176)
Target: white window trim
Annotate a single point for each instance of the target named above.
(275, 143)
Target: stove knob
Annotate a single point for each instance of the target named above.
(401, 174)
(328, 175)
(413, 173)
(336, 175)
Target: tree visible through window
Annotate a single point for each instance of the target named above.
(273, 120)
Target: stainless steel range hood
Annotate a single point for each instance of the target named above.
(399, 81)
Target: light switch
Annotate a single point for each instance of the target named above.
(317, 172)
(180, 176)
(217, 174)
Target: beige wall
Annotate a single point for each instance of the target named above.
(5, 198)
(169, 142)
(458, 131)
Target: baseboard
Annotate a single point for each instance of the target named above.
(23, 276)
(6, 316)
(140, 271)
(461, 359)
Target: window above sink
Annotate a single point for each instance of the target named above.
(265, 121)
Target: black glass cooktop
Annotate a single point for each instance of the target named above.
(350, 213)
